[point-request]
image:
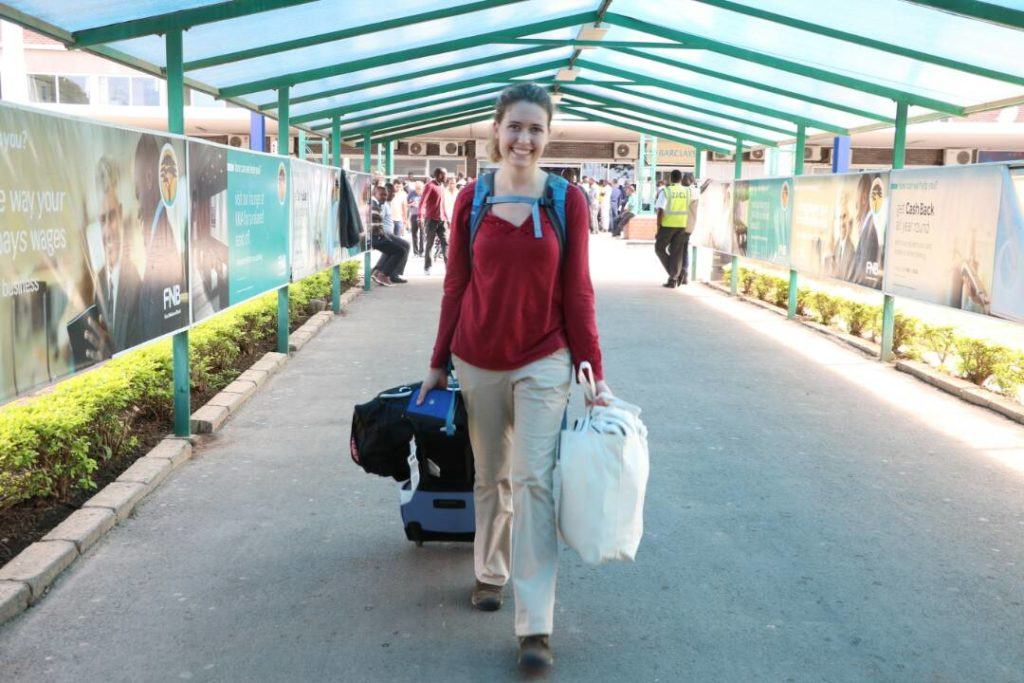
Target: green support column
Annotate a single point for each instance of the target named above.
(302, 145)
(282, 149)
(366, 254)
(380, 158)
(899, 153)
(698, 161)
(389, 159)
(179, 343)
(336, 161)
(734, 274)
(798, 169)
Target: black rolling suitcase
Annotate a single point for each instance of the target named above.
(426, 449)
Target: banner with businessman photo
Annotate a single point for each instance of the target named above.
(761, 216)
(315, 241)
(714, 218)
(239, 226)
(838, 227)
(943, 236)
(93, 256)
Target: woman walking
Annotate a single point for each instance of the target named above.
(516, 316)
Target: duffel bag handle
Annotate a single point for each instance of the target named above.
(586, 378)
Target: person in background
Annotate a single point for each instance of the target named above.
(593, 202)
(451, 190)
(630, 208)
(432, 215)
(671, 240)
(413, 192)
(394, 251)
(616, 201)
(399, 207)
(604, 210)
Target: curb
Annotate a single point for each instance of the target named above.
(955, 386)
(25, 579)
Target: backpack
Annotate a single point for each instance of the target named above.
(552, 201)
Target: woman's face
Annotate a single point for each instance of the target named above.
(522, 134)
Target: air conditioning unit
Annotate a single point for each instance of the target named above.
(757, 155)
(626, 150)
(449, 148)
(720, 156)
(241, 141)
(959, 157)
(417, 148)
(813, 153)
(481, 149)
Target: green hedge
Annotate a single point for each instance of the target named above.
(51, 444)
(978, 361)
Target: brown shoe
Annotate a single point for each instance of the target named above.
(535, 655)
(486, 597)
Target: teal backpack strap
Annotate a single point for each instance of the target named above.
(552, 201)
(483, 189)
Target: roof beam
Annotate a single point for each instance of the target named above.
(469, 120)
(307, 41)
(181, 20)
(865, 40)
(426, 92)
(403, 77)
(713, 97)
(975, 9)
(730, 133)
(647, 131)
(397, 57)
(757, 85)
(643, 120)
(419, 105)
(784, 64)
(360, 126)
(710, 112)
(551, 42)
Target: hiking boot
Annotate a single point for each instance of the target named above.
(535, 655)
(671, 284)
(486, 597)
(398, 280)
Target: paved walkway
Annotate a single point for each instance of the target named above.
(812, 515)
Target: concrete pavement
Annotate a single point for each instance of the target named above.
(812, 515)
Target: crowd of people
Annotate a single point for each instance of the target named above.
(408, 214)
(612, 203)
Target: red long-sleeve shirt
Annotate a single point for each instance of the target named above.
(520, 304)
(432, 202)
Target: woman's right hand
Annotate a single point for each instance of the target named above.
(436, 378)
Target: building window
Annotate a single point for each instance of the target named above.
(116, 90)
(73, 89)
(42, 88)
(145, 92)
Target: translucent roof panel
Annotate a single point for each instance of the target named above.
(605, 116)
(362, 121)
(91, 13)
(845, 58)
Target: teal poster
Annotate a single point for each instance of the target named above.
(239, 226)
(761, 219)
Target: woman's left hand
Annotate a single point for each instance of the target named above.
(604, 393)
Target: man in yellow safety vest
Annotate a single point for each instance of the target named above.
(672, 239)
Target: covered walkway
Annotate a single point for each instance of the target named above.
(812, 515)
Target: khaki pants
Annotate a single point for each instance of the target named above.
(514, 421)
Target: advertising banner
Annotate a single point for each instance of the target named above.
(360, 184)
(93, 256)
(239, 231)
(943, 238)
(838, 227)
(1008, 281)
(714, 218)
(315, 241)
(761, 217)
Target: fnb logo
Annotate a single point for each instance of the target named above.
(172, 296)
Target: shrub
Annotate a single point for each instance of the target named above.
(762, 286)
(874, 326)
(940, 340)
(904, 332)
(978, 359)
(857, 317)
(780, 292)
(825, 306)
(52, 443)
(1009, 375)
(803, 298)
(747, 280)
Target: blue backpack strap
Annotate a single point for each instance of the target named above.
(483, 189)
(555, 191)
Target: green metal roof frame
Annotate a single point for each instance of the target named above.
(659, 37)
